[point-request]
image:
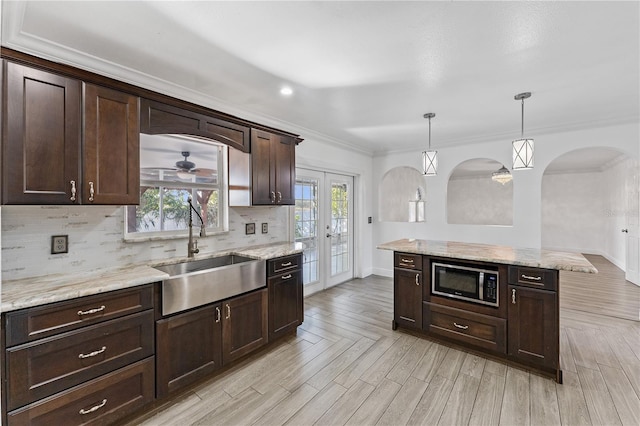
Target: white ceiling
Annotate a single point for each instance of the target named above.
(363, 73)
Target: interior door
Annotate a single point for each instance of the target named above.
(324, 223)
(632, 229)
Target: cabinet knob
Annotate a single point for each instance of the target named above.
(73, 191)
(513, 296)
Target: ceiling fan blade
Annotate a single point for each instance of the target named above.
(204, 172)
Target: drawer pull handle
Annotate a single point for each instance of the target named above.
(217, 314)
(286, 277)
(529, 277)
(462, 327)
(284, 265)
(92, 354)
(92, 311)
(417, 279)
(92, 409)
(406, 260)
(513, 296)
(228, 311)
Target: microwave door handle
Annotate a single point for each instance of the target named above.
(481, 286)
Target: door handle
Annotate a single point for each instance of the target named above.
(513, 296)
(330, 235)
(417, 279)
(626, 231)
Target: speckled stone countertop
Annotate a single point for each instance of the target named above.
(497, 254)
(29, 292)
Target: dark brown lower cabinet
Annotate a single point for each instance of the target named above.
(244, 325)
(193, 344)
(100, 401)
(533, 326)
(407, 298)
(188, 347)
(286, 310)
(483, 331)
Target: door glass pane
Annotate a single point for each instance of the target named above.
(339, 227)
(307, 226)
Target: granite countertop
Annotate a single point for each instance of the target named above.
(536, 258)
(29, 292)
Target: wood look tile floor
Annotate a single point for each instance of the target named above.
(346, 366)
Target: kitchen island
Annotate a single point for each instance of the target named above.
(502, 301)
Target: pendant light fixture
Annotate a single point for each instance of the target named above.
(502, 175)
(522, 148)
(429, 157)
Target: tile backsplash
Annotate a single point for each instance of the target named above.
(96, 238)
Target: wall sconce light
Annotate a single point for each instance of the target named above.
(416, 208)
(429, 157)
(522, 148)
(502, 175)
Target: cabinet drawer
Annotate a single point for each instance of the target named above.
(39, 369)
(35, 323)
(284, 264)
(476, 329)
(408, 261)
(546, 279)
(100, 401)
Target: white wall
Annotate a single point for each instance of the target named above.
(526, 230)
(316, 154)
(96, 238)
(572, 212)
(479, 201)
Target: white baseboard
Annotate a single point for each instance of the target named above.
(383, 272)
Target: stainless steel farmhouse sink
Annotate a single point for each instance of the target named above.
(198, 282)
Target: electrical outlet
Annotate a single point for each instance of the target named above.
(265, 228)
(59, 244)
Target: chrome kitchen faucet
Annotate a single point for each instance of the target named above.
(192, 245)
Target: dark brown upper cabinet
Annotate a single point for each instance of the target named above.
(42, 137)
(159, 118)
(273, 168)
(111, 150)
(45, 159)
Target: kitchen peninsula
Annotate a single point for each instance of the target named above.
(499, 300)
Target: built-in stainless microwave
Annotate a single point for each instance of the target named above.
(465, 282)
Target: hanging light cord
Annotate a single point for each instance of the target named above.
(522, 121)
(429, 133)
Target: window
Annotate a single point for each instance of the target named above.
(164, 191)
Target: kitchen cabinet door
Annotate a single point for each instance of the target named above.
(285, 303)
(188, 347)
(272, 169)
(533, 326)
(41, 144)
(407, 298)
(111, 147)
(244, 324)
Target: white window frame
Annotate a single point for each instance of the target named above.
(223, 203)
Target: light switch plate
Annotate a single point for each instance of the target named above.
(59, 244)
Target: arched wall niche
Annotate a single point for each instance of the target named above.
(399, 186)
(473, 198)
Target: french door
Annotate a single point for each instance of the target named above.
(324, 223)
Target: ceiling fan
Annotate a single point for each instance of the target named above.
(185, 168)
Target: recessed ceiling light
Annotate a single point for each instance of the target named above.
(286, 91)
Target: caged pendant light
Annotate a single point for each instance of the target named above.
(522, 148)
(429, 157)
